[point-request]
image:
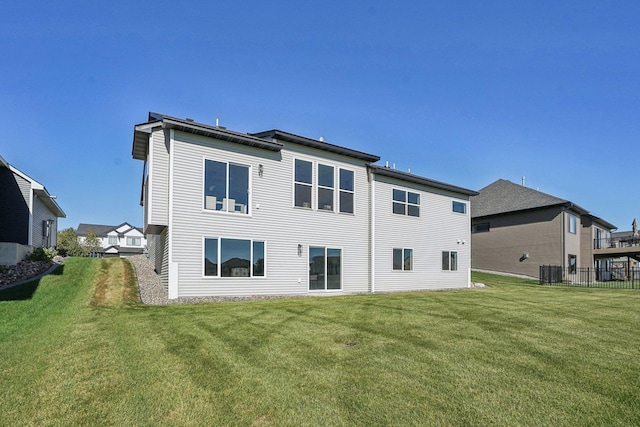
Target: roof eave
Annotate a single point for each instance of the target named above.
(50, 202)
(416, 179)
(321, 145)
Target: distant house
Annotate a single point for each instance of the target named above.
(516, 229)
(117, 240)
(28, 215)
(272, 213)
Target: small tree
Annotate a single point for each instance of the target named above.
(91, 244)
(68, 244)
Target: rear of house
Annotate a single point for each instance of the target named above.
(273, 213)
(421, 232)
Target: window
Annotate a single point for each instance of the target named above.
(303, 177)
(572, 224)
(450, 260)
(406, 203)
(346, 191)
(403, 259)
(325, 187)
(113, 240)
(234, 258)
(226, 187)
(132, 241)
(482, 227)
(573, 261)
(325, 268)
(460, 207)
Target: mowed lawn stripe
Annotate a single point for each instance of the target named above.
(513, 354)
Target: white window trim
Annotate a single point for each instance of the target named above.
(317, 186)
(219, 276)
(457, 261)
(249, 190)
(293, 183)
(406, 203)
(347, 191)
(466, 207)
(325, 276)
(412, 260)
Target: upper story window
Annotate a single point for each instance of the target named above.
(226, 187)
(134, 241)
(113, 240)
(325, 187)
(346, 191)
(303, 177)
(459, 207)
(324, 184)
(572, 224)
(406, 203)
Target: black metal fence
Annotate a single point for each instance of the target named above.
(615, 278)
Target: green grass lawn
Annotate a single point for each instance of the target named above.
(77, 348)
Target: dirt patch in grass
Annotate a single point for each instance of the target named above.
(115, 285)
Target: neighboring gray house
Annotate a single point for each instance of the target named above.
(273, 213)
(28, 215)
(516, 229)
(117, 240)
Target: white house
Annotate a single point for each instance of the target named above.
(116, 240)
(273, 213)
(28, 215)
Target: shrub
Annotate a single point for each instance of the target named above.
(42, 254)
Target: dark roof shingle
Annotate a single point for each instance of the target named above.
(504, 196)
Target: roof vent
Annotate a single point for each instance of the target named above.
(321, 139)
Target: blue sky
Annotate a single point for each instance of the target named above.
(464, 92)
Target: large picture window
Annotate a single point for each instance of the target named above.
(226, 187)
(346, 191)
(406, 203)
(325, 268)
(450, 260)
(303, 177)
(234, 258)
(403, 259)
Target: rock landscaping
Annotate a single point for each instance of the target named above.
(23, 270)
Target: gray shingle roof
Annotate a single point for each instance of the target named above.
(504, 196)
(101, 230)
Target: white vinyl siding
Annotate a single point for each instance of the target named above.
(40, 214)
(157, 196)
(435, 230)
(272, 219)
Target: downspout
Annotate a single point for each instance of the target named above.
(372, 232)
(31, 200)
(564, 237)
(172, 273)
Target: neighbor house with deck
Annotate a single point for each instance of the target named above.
(28, 215)
(274, 213)
(516, 229)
